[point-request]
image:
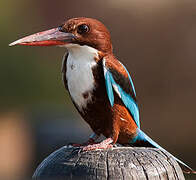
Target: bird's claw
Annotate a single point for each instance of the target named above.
(91, 145)
(96, 146)
(102, 145)
(75, 144)
(89, 142)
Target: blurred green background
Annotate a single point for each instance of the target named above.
(156, 40)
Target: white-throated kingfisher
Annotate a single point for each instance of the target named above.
(99, 85)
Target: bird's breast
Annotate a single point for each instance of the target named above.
(80, 80)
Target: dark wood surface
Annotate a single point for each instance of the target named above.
(118, 163)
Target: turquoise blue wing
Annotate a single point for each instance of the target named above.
(124, 87)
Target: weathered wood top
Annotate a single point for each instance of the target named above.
(118, 163)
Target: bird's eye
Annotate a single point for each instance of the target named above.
(83, 29)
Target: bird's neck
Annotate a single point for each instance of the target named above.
(82, 52)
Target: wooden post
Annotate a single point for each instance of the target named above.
(118, 163)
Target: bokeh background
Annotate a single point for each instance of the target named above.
(155, 39)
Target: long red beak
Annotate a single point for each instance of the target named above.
(50, 37)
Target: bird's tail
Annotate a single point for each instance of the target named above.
(143, 140)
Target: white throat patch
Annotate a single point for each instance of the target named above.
(79, 75)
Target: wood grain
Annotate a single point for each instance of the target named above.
(118, 163)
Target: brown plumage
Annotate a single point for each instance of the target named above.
(100, 115)
(99, 85)
(98, 36)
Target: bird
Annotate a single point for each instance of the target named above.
(99, 85)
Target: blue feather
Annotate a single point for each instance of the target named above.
(130, 80)
(141, 136)
(128, 101)
(109, 88)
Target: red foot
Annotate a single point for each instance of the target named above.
(102, 145)
(75, 145)
(89, 142)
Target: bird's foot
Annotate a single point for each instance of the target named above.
(91, 141)
(102, 145)
(75, 144)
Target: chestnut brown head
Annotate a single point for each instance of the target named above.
(81, 31)
(88, 31)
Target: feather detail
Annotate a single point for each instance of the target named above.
(130, 80)
(108, 85)
(127, 99)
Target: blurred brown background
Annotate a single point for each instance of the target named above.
(156, 40)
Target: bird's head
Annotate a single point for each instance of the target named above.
(76, 31)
